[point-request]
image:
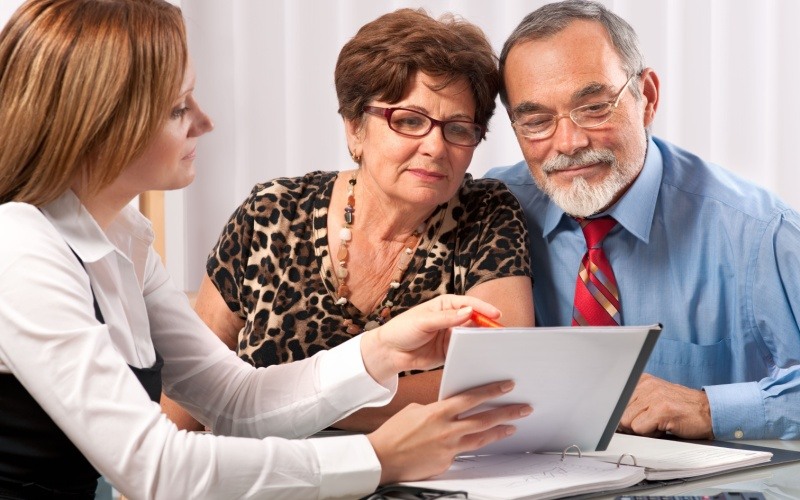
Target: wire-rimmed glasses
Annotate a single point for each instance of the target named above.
(543, 125)
(412, 492)
(412, 123)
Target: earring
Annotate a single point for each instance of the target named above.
(355, 157)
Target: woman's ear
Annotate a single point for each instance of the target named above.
(354, 131)
(650, 95)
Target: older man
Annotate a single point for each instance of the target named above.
(629, 229)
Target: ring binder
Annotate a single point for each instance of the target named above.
(564, 453)
(633, 457)
(546, 475)
(619, 460)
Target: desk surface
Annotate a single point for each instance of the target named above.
(777, 482)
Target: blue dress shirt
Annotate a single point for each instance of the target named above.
(714, 259)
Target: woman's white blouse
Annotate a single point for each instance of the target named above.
(77, 370)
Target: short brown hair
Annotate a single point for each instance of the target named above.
(84, 86)
(383, 57)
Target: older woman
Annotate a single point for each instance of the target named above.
(306, 263)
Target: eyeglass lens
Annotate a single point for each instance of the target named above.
(542, 125)
(591, 115)
(408, 122)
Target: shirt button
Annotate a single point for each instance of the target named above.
(739, 434)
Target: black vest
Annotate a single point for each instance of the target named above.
(37, 460)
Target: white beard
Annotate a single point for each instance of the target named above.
(582, 199)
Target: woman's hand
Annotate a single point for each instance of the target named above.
(422, 441)
(418, 338)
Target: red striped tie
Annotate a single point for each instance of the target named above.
(596, 294)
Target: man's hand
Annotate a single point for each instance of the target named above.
(658, 407)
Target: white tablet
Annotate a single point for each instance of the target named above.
(577, 379)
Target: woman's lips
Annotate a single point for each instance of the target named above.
(426, 175)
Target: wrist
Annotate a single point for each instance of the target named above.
(738, 411)
(377, 356)
(387, 474)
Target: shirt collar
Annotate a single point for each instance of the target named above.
(634, 210)
(84, 235)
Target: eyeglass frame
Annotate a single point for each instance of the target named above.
(386, 492)
(558, 116)
(387, 113)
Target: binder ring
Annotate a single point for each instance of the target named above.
(564, 453)
(619, 462)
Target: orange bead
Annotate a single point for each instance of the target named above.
(411, 241)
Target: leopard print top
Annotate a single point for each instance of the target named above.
(272, 268)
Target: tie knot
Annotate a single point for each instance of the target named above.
(595, 230)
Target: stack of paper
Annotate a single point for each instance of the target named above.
(667, 459)
(543, 476)
(532, 476)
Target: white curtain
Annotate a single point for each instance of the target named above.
(728, 72)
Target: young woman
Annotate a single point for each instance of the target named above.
(96, 98)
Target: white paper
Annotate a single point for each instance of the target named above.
(669, 459)
(531, 476)
(573, 377)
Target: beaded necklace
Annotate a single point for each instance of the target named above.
(345, 237)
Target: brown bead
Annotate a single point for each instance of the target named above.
(344, 291)
(341, 254)
(385, 312)
(353, 329)
(351, 200)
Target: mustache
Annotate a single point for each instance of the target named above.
(580, 159)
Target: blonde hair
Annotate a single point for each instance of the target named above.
(84, 86)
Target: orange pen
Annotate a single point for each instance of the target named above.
(481, 320)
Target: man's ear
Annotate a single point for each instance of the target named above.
(650, 93)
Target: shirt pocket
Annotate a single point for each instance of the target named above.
(690, 364)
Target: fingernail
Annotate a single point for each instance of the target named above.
(510, 429)
(524, 412)
(464, 311)
(507, 386)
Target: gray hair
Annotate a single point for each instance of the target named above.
(550, 19)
